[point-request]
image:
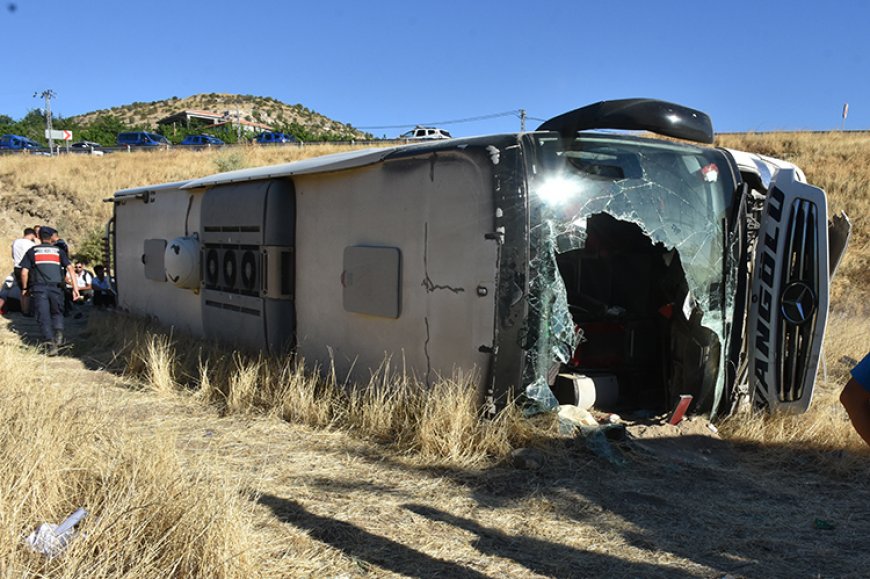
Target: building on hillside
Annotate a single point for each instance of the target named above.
(184, 118)
(207, 119)
(247, 126)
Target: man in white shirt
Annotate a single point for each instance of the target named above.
(83, 281)
(20, 247)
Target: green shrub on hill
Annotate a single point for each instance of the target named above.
(102, 126)
(103, 130)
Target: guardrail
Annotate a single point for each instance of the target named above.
(135, 148)
(368, 142)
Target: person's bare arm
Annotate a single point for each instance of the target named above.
(856, 401)
(25, 276)
(72, 277)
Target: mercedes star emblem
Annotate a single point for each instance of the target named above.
(798, 302)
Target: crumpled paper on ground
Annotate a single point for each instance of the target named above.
(51, 540)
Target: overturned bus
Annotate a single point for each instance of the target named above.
(539, 263)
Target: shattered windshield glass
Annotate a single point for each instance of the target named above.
(679, 197)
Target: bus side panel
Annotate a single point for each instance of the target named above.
(437, 211)
(141, 224)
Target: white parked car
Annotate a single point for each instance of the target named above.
(425, 133)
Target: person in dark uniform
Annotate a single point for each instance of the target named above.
(855, 398)
(67, 289)
(43, 275)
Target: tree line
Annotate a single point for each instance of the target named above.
(105, 127)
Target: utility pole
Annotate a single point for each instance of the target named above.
(522, 120)
(238, 124)
(47, 94)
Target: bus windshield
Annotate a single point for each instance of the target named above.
(609, 216)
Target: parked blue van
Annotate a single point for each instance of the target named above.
(201, 141)
(274, 138)
(17, 143)
(141, 139)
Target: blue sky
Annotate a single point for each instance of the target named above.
(751, 65)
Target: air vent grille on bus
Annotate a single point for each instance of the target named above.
(229, 267)
(233, 268)
(249, 270)
(212, 267)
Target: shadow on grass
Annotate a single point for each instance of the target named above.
(28, 330)
(536, 555)
(772, 510)
(363, 545)
(101, 339)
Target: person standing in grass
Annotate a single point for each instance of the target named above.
(19, 248)
(67, 289)
(856, 398)
(43, 274)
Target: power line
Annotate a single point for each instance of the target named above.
(515, 113)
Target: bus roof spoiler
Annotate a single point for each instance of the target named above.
(660, 117)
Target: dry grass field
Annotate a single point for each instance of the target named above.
(197, 462)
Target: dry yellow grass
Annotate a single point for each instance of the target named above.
(267, 498)
(149, 516)
(440, 424)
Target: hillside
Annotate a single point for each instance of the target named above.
(266, 110)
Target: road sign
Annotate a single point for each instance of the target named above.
(59, 135)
